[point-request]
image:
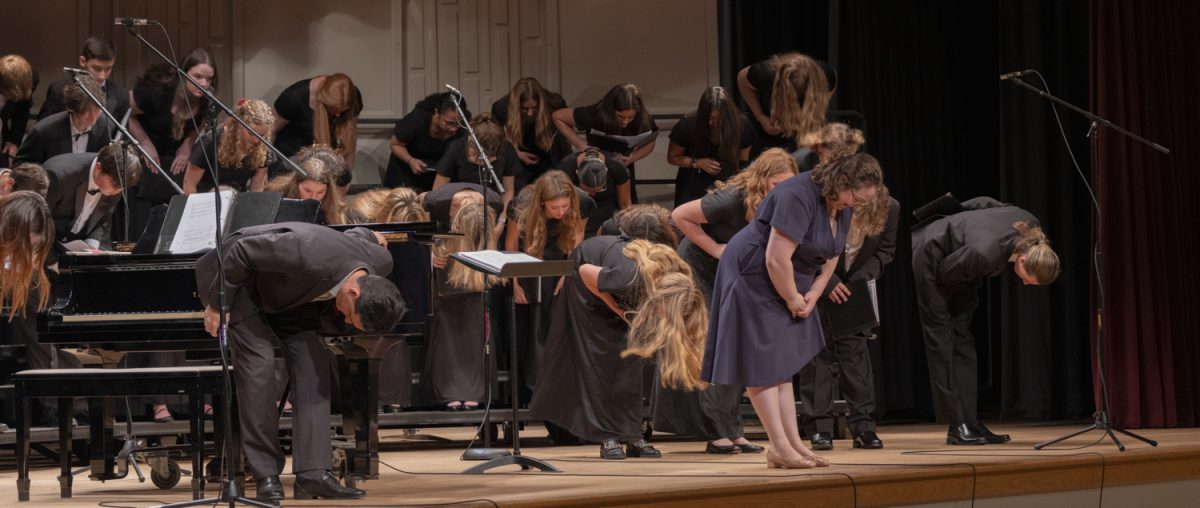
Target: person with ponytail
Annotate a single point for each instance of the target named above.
(787, 95)
(707, 225)
(633, 299)
(454, 360)
(709, 145)
(763, 327)
(322, 111)
(603, 177)
(461, 161)
(242, 160)
(952, 256)
(526, 114)
(421, 138)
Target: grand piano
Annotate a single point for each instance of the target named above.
(116, 303)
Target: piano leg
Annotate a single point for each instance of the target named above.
(196, 419)
(360, 413)
(102, 454)
(24, 421)
(65, 425)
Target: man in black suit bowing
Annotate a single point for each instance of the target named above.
(286, 285)
(84, 188)
(81, 128)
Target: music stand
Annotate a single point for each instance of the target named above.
(513, 266)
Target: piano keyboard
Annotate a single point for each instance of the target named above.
(131, 316)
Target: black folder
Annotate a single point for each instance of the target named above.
(852, 317)
(246, 209)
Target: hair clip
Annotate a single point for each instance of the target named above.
(243, 100)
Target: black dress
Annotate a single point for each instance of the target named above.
(606, 200)
(455, 165)
(293, 106)
(454, 359)
(692, 183)
(585, 387)
(413, 131)
(588, 118)
(559, 147)
(238, 176)
(762, 76)
(714, 412)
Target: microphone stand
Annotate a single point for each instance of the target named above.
(1101, 418)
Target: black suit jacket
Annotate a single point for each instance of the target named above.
(116, 99)
(970, 246)
(276, 267)
(68, 175)
(52, 136)
(876, 252)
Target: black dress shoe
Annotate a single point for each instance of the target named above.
(327, 487)
(749, 448)
(989, 436)
(721, 450)
(822, 441)
(963, 434)
(269, 489)
(642, 449)
(868, 440)
(611, 449)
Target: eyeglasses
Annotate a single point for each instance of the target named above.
(857, 201)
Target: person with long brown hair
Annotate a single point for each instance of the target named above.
(788, 95)
(243, 161)
(708, 145)
(952, 256)
(633, 299)
(526, 114)
(461, 162)
(621, 112)
(707, 225)
(763, 328)
(321, 110)
(421, 138)
(319, 183)
(26, 234)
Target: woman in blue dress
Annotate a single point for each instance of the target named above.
(763, 326)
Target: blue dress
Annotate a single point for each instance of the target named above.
(753, 340)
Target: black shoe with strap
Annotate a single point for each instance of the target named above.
(642, 449)
(611, 449)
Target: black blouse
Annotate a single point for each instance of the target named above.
(237, 176)
(292, 105)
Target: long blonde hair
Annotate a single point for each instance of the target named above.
(800, 95)
(671, 321)
(834, 141)
(466, 221)
(1040, 260)
(772, 162)
(552, 185)
(871, 218)
(386, 205)
(333, 204)
(543, 125)
(24, 214)
(254, 112)
(336, 90)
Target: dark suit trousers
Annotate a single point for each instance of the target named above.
(857, 385)
(298, 333)
(946, 314)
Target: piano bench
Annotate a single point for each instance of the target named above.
(66, 384)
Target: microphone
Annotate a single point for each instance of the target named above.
(73, 71)
(134, 21)
(455, 90)
(1017, 74)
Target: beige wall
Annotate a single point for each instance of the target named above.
(398, 51)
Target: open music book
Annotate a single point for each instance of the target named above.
(494, 260)
(624, 145)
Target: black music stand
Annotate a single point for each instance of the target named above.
(513, 266)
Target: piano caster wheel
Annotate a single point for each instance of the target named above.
(168, 482)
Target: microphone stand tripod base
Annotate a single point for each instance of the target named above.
(485, 453)
(509, 460)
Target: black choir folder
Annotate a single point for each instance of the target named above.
(190, 221)
(513, 264)
(854, 316)
(623, 145)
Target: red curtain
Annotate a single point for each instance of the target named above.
(1145, 74)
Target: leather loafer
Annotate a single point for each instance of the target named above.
(721, 450)
(963, 434)
(327, 487)
(822, 441)
(749, 448)
(642, 449)
(867, 440)
(987, 434)
(611, 449)
(268, 489)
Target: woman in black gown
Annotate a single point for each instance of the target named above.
(708, 224)
(242, 160)
(708, 145)
(787, 95)
(602, 177)
(621, 112)
(526, 114)
(632, 299)
(461, 163)
(421, 138)
(322, 110)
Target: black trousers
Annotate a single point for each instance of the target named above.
(298, 333)
(857, 383)
(946, 313)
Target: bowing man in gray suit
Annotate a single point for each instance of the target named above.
(952, 256)
(286, 285)
(84, 188)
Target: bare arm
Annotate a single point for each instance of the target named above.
(400, 150)
(688, 217)
(440, 180)
(623, 199)
(590, 275)
(280, 121)
(191, 179)
(750, 95)
(640, 153)
(259, 181)
(780, 269)
(818, 286)
(564, 120)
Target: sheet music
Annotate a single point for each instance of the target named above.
(495, 260)
(198, 226)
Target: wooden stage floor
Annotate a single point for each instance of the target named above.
(915, 468)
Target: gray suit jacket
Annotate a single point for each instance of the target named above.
(970, 246)
(276, 267)
(68, 175)
(52, 136)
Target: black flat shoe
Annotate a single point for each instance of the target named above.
(721, 450)
(610, 449)
(642, 449)
(269, 489)
(327, 487)
(822, 441)
(963, 434)
(749, 448)
(868, 440)
(989, 436)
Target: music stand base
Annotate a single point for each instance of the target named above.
(231, 495)
(509, 460)
(485, 453)
(1103, 424)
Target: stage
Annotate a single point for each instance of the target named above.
(915, 468)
